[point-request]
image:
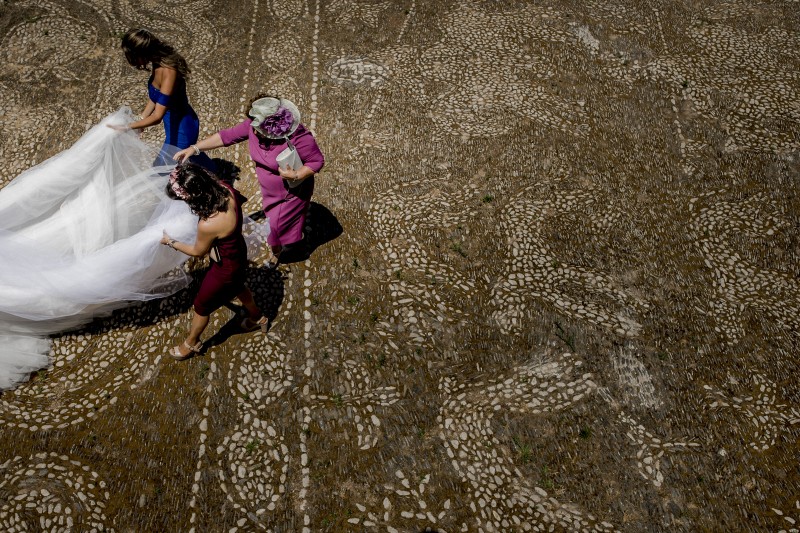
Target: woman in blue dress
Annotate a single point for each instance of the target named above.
(166, 89)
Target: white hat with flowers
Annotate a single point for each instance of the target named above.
(274, 118)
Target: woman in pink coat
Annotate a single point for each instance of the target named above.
(272, 124)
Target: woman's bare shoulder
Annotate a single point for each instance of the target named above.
(219, 223)
(165, 69)
(164, 72)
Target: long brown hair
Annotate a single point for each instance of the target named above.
(142, 47)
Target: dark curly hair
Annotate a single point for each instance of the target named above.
(200, 189)
(142, 47)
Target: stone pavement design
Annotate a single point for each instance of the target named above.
(551, 280)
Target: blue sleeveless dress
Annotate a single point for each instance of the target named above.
(181, 124)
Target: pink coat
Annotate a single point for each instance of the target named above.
(285, 207)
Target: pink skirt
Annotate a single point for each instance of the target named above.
(286, 208)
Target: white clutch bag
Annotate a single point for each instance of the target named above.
(289, 158)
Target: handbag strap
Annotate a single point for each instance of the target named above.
(289, 143)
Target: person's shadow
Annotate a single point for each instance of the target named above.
(267, 284)
(268, 292)
(321, 227)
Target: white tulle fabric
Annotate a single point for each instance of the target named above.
(79, 237)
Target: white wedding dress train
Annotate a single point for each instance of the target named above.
(79, 237)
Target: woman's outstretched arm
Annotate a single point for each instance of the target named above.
(209, 143)
(148, 108)
(207, 231)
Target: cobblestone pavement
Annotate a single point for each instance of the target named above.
(551, 280)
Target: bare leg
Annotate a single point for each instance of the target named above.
(255, 318)
(199, 323)
(246, 297)
(184, 350)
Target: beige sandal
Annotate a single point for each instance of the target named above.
(248, 324)
(272, 262)
(176, 354)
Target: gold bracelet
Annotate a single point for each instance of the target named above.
(196, 149)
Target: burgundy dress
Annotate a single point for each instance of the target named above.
(285, 207)
(225, 279)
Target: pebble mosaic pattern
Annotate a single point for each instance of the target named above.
(651, 450)
(536, 270)
(51, 492)
(503, 501)
(739, 283)
(563, 295)
(635, 381)
(760, 410)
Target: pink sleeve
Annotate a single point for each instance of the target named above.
(308, 150)
(236, 134)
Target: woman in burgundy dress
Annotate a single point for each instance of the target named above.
(272, 124)
(219, 234)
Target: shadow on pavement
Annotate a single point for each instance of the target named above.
(268, 291)
(322, 226)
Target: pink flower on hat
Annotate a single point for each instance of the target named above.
(279, 123)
